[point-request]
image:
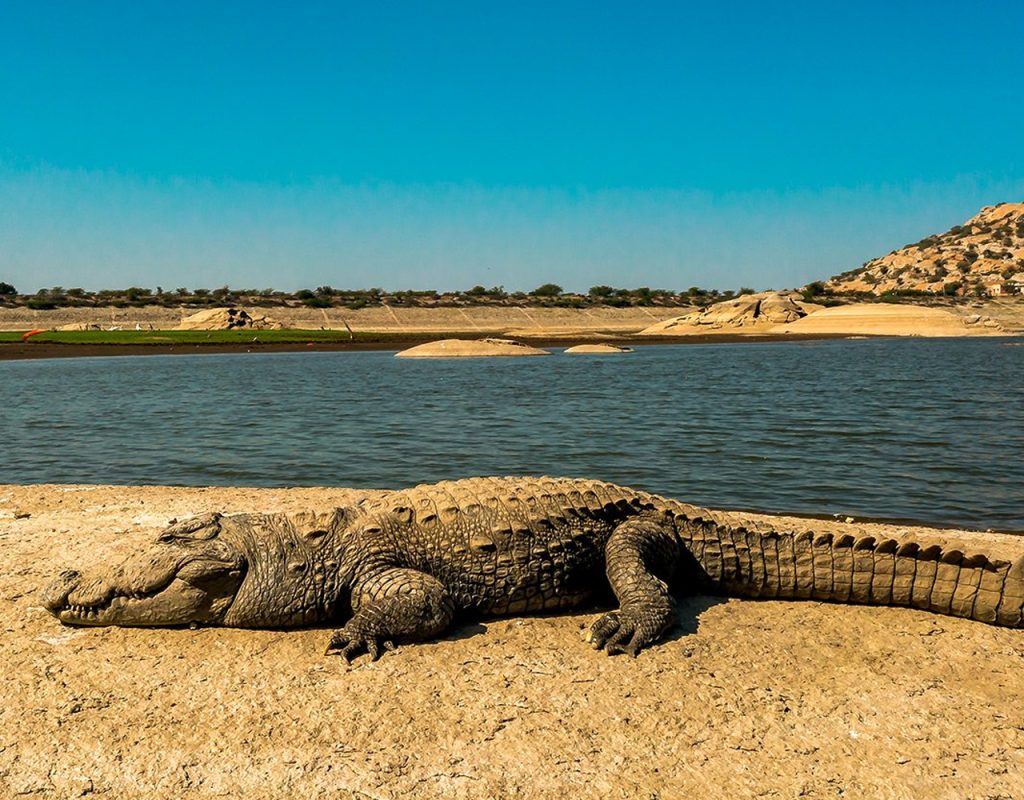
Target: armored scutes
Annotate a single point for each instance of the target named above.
(400, 568)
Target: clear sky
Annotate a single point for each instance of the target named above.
(441, 145)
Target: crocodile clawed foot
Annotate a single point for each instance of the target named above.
(350, 645)
(627, 631)
(614, 633)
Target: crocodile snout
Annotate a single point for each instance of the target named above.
(55, 595)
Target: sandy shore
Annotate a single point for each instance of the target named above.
(1002, 316)
(745, 699)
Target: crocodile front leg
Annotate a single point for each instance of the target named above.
(640, 558)
(391, 606)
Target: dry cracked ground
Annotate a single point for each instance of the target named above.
(745, 699)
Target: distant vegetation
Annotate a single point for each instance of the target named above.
(548, 294)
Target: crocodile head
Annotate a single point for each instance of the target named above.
(189, 574)
(249, 570)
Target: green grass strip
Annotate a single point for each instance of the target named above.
(196, 337)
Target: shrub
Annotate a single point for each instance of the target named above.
(7, 289)
(547, 290)
(133, 293)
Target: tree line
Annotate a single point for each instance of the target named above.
(547, 294)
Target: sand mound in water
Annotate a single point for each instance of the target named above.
(598, 349)
(471, 348)
(222, 319)
(889, 319)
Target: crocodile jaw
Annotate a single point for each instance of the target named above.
(198, 590)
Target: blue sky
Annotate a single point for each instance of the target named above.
(448, 144)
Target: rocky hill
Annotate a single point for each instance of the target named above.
(983, 257)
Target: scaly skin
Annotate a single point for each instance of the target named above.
(399, 569)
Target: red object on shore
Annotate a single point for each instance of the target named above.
(25, 336)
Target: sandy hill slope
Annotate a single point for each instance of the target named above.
(981, 257)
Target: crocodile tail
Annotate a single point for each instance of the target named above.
(843, 568)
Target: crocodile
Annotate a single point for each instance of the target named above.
(400, 567)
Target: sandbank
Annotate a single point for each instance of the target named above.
(885, 319)
(746, 698)
(472, 348)
(598, 349)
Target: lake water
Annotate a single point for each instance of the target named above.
(912, 429)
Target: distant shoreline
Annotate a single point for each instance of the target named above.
(18, 351)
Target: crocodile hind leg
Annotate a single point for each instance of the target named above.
(639, 559)
(393, 605)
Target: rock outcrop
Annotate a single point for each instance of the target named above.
(749, 311)
(222, 319)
